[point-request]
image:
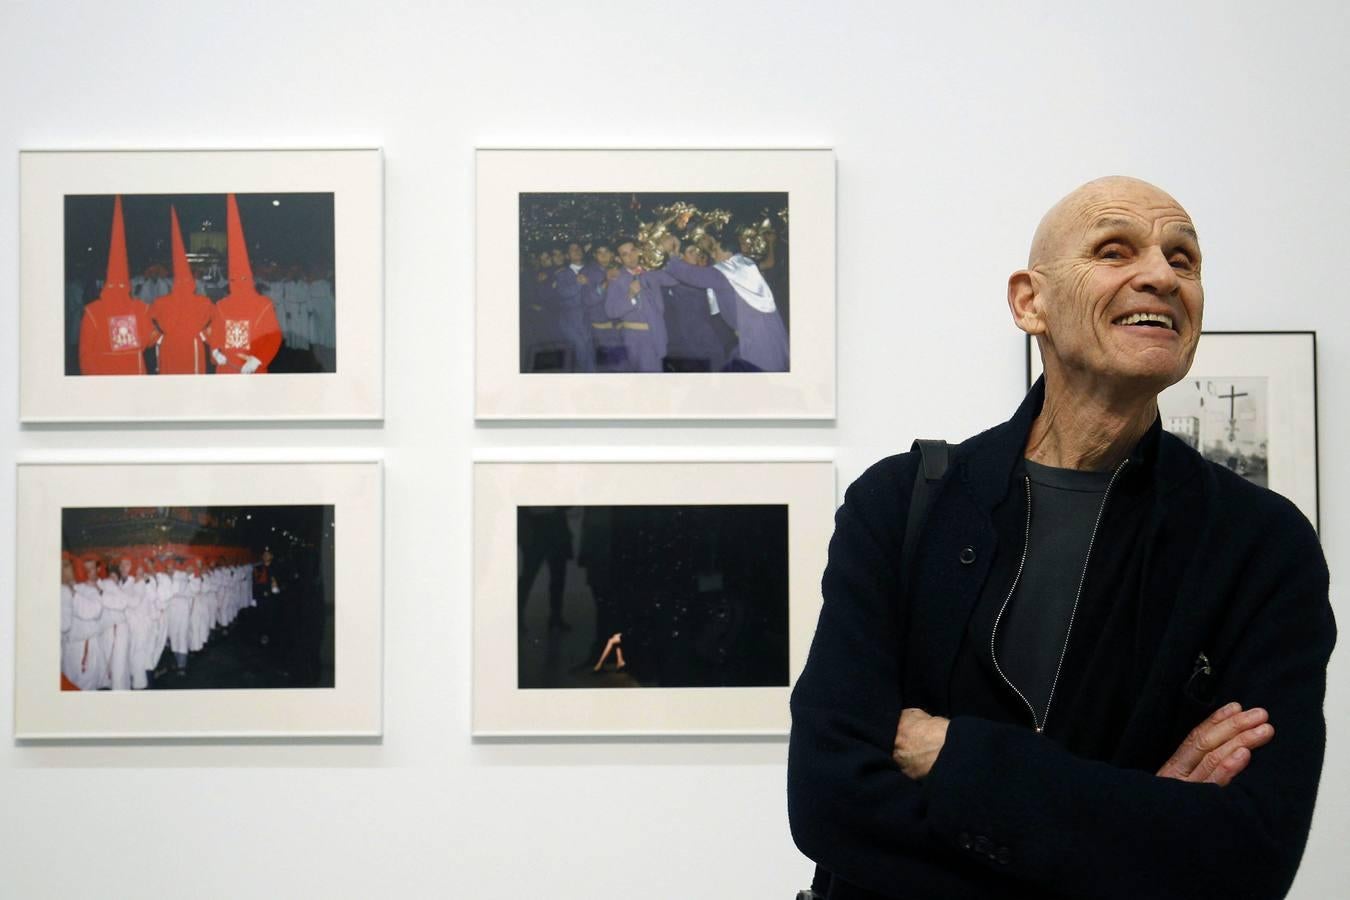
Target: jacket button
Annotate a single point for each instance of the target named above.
(967, 555)
(982, 845)
(1003, 856)
(964, 841)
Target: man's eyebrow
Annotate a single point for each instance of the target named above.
(1110, 222)
(1113, 222)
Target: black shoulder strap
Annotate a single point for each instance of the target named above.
(933, 457)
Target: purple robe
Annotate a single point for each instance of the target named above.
(641, 320)
(762, 341)
(605, 338)
(573, 325)
(697, 340)
(539, 339)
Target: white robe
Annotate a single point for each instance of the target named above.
(117, 633)
(198, 629)
(82, 659)
(180, 613)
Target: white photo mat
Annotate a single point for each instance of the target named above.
(354, 392)
(502, 391)
(501, 709)
(351, 708)
(1288, 362)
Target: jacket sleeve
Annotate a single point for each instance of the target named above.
(849, 806)
(1005, 808)
(1091, 829)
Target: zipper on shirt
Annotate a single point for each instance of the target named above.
(1037, 722)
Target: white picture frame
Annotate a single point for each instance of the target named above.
(352, 707)
(1280, 364)
(354, 391)
(805, 392)
(501, 708)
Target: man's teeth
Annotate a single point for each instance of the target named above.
(1143, 318)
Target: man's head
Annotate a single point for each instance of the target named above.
(124, 567)
(628, 253)
(1112, 288)
(545, 259)
(694, 256)
(604, 255)
(556, 257)
(576, 255)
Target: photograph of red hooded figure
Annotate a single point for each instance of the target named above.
(115, 330)
(187, 300)
(183, 316)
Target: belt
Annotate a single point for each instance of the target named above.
(635, 326)
(607, 326)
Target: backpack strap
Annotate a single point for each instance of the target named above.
(933, 458)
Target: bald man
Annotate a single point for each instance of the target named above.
(1102, 672)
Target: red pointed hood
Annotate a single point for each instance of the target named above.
(119, 272)
(183, 280)
(241, 273)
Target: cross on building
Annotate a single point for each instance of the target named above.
(1231, 397)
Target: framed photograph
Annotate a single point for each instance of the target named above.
(189, 265)
(632, 598)
(655, 284)
(198, 600)
(1248, 403)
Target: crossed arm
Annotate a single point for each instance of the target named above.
(885, 796)
(1215, 752)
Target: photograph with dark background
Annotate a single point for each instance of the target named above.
(184, 284)
(625, 282)
(652, 596)
(192, 597)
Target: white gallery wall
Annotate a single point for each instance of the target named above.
(955, 125)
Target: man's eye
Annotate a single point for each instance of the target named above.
(1112, 251)
(1181, 261)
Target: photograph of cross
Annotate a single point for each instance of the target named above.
(1232, 396)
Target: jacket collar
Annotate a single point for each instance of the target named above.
(996, 454)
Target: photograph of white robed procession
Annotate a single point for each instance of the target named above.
(198, 600)
(148, 276)
(644, 597)
(1249, 403)
(655, 284)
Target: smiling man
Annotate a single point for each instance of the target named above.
(1102, 672)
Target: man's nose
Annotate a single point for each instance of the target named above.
(1155, 274)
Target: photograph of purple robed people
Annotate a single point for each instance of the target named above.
(197, 598)
(198, 284)
(626, 282)
(652, 596)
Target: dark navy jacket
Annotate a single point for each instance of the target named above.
(1206, 563)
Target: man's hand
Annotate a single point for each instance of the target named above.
(1220, 747)
(634, 287)
(918, 740)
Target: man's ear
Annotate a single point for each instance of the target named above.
(1024, 301)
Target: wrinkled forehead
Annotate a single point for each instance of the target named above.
(1139, 209)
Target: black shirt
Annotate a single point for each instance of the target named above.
(1065, 504)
